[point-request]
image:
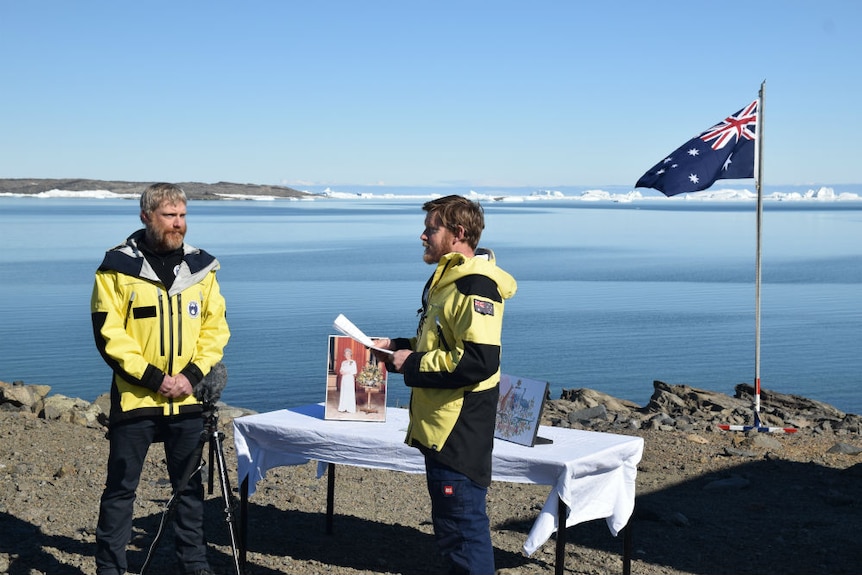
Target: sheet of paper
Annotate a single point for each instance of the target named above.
(345, 326)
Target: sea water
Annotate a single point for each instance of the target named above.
(611, 296)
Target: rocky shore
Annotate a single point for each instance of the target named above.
(709, 501)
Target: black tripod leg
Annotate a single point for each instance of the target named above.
(212, 461)
(227, 496)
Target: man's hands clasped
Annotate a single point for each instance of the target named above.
(175, 386)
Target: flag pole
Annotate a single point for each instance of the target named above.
(758, 186)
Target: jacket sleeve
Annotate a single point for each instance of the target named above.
(109, 313)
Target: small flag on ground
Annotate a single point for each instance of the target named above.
(723, 152)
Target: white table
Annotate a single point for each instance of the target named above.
(592, 475)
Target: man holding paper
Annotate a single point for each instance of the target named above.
(452, 366)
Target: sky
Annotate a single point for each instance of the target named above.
(412, 93)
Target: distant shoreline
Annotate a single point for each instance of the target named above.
(792, 195)
(194, 190)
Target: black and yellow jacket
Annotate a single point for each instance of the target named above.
(144, 331)
(455, 373)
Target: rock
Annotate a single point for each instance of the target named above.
(586, 398)
(25, 397)
(678, 519)
(588, 414)
(729, 483)
(694, 438)
(788, 403)
(845, 448)
(738, 452)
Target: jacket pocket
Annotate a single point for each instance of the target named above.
(144, 312)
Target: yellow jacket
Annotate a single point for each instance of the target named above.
(455, 373)
(144, 331)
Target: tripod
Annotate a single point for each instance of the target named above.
(213, 437)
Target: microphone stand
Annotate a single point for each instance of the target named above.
(214, 437)
(217, 455)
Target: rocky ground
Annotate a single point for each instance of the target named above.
(710, 502)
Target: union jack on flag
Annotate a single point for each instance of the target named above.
(723, 152)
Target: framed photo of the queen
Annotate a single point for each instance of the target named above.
(355, 382)
(519, 409)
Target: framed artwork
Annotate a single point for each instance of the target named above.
(355, 382)
(519, 409)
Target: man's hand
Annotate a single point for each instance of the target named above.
(398, 358)
(394, 361)
(382, 344)
(175, 386)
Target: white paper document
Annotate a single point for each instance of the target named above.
(345, 326)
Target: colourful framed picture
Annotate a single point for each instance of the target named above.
(355, 382)
(519, 409)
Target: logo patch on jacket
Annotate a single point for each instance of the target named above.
(194, 309)
(483, 307)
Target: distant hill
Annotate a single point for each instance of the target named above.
(194, 190)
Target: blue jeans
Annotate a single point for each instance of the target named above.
(130, 442)
(461, 525)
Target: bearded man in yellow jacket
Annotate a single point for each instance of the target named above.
(159, 323)
(452, 366)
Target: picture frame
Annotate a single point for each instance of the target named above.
(355, 382)
(519, 409)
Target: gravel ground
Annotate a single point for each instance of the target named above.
(709, 502)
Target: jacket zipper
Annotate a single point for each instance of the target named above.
(179, 324)
(427, 305)
(129, 310)
(170, 326)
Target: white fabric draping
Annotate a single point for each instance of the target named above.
(592, 473)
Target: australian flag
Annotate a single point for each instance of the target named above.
(723, 152)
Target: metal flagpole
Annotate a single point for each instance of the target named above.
(758, 185)
(758, 181)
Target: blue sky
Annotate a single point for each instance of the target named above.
(410, 93)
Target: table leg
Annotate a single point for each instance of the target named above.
(627, 548)
(330, 496)
(243, 521)
(560, 561)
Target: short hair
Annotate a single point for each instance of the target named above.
(457, 211)
(155, 194)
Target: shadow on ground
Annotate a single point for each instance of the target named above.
(758, 517)
(358, 543)
(26, 545)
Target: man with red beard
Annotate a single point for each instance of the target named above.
(452, 366)
(159, 323)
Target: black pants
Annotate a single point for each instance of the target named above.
(130, 442)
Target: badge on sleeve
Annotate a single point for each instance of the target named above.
(483, 307)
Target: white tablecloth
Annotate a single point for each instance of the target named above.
(592, 473)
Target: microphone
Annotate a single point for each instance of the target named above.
(208, 390)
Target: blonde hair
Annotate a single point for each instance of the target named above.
(155, 194)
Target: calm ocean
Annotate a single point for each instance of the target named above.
(611, 295)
